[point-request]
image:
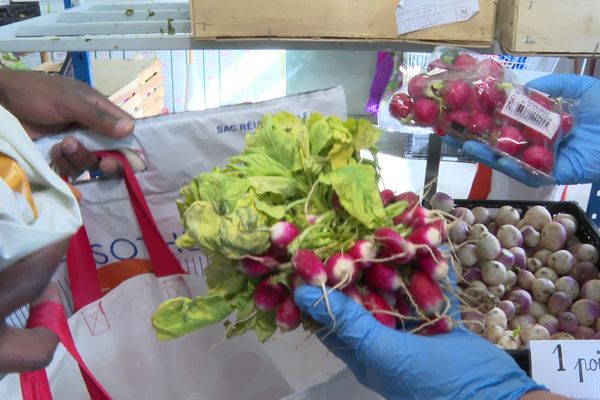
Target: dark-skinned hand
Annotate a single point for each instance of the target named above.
(48, 105)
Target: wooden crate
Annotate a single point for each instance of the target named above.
(549, 26)
(134, 85)
(355, 20)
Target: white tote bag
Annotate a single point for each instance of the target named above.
(114, 336)
(113, 333)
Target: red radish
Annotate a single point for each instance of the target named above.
(283, 233)
(353, 292)
(421, 217)
(387, 197)
(426, 236)
(511, 141)
(539, 157)
(464, 60)
(310, 267)
(394, 245)
(410, 197)
(400, 106)
(363, 250)
(481, 123)
(491, 96)
(269, 294)
(460, 117)
(536, 137)
(542, 99)
(443, 325)
(475, 104)
(566, 123)
(456, 94)
(490, 68)
(405, 218)
(374, 302)
(442, 226)
(341, 270)
(383, 277)
(402, 303)
(426, 293)
(288, 315)
(434, 263)
(258, 266)
(417, 86)
(421, 213)
(426, 112)
(504, 120)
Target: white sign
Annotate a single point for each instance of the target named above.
(567, 367)
(414, 15)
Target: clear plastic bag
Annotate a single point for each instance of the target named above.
(474, 97)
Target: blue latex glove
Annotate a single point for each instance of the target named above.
(399, 365)
(578, 159)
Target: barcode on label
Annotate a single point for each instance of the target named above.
(532, 116)
(521, 108)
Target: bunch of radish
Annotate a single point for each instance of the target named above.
(473, 97)
(524, 277)
(302, 205)
(397, 272)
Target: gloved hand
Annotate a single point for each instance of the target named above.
(399, 365)
(578, 159)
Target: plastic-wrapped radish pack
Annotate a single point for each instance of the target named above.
(474, 97)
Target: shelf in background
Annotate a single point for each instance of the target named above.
(156, 26)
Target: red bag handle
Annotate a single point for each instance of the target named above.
(34, 384)
(81, 267)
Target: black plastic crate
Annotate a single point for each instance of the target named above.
(416, 147)
(15, 12)
(587, 232)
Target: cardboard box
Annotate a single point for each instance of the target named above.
(136, 86)
(354, 20)
(549, 26)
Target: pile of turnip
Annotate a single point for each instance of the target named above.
(523, 277)
(467, 95)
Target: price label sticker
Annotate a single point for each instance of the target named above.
(567, 367)
(526, 111)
